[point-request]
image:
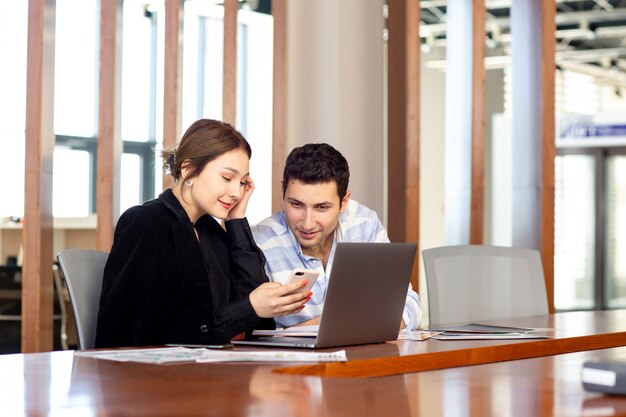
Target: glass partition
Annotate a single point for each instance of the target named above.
(574, 232)
(615, 241)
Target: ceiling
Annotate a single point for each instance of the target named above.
(590, 35)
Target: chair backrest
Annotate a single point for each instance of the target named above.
(473, 282)
(83, 270)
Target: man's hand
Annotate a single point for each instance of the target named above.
(311, 322)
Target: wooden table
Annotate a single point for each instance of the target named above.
(59, 384)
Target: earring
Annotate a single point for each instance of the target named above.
(188, 183)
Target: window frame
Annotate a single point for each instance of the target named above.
(144, 150)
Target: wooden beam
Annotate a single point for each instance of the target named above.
(548, 144)
(230, 62)
(172, 92)
(403, 124)
(37, 287)
(109, 123)
(477, 205)
(279, 113)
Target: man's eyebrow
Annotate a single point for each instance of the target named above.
(323, 203)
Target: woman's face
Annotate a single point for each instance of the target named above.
(219, 186)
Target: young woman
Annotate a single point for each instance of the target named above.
(174, 274)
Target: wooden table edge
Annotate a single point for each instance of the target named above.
(395, 365)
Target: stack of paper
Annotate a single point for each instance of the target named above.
(475, 331)
(182, 354)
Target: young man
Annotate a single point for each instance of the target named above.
(317, 213)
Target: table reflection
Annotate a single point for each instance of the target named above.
(60, 384)
(604, 405)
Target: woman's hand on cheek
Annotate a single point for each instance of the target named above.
(239, 210)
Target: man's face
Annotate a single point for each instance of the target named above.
(312, 212)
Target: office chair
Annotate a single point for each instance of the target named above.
(473, 283)
(83, 270)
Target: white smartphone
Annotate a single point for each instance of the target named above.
(297, 274)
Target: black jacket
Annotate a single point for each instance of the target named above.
(161, 285)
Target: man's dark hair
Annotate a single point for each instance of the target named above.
(316, 163)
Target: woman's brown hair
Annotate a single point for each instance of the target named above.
(204, 141)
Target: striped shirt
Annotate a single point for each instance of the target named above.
(283, 252)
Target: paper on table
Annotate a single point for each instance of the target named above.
(153, 355)
(488, 336)
(273, 356)
(484, 328)
(416, 334)
(182, 354)
(477, 331)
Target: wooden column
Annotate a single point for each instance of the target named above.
(548, 143)
(37, 287)
(533, 59)
(403, 124)
(279, 113)
(477, 199)
(230, 62)
(109, 123)
(172, 91)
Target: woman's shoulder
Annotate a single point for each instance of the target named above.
(150, 207)
(149, 214)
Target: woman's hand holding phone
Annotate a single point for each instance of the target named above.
(310, 275)
(271, 299)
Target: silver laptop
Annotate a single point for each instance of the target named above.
(364, 301)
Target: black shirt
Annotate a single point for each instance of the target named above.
(162, 285)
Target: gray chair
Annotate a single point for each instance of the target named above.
(473, 283)
(83, 270)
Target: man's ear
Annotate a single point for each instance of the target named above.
(282, 190)
(344, 201)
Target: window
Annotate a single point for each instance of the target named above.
(615, 240)
(76, 97)
(13, 25)
(75, 111)
(590, 194)
(203, 78)
(574, 231)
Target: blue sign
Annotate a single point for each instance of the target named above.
(589, 130)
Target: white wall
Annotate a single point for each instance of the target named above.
(335, 86)
(432, 141)
(432, 136)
